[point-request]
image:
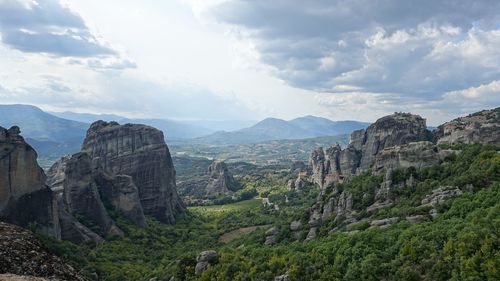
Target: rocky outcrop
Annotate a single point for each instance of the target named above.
(22, 255)
(317, 165)
(481, 127)
(220, 180)
(336, 164)
(284, 277)
(389, 131)
(295, 229)
(25, 200)
(415, 154)
(384, 223)
(204, 260)
(439, 195)
(138, 151)
(271, 236)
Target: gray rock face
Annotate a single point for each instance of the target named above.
(415, 154)
(204, 260)
(220, 180)
(271, 236)
(138, 151)
(481, 127)
(284, 277)
(56, 174)
(24, 197)
(295, 229)
(81, 195)
(439, 195)
(335, 164)
(384, 223)
(344, 206)
(389, 131)
(121, 192)
(317, 164)
(74, 231)
(311, 234)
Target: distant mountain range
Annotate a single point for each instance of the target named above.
(276, 129)
(56, 134)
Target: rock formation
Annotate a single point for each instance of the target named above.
(25, 200)
(81, 196)
(138, 151)
(415, 154)
(25, 258)
(220, 180)
(335, 164)
(295, 229)
(271, 236)
(204, 260)
(480, 127)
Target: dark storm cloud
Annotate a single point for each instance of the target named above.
(420, 48)
(46, 26)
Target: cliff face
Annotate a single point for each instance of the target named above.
(394, 130)
(25, 200)
(389, 131)
(481, 127)
(138, 151)
(81, 195)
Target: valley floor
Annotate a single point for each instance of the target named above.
(461, 243)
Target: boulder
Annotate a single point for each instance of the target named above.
(271, 236)
(204, 260)
(416, 218)
(295, 229)
(384, 223)
(284, 277)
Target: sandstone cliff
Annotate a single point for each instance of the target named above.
(480, 127)
(25, 200)
(140, 152)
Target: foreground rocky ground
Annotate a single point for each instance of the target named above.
(23, 257)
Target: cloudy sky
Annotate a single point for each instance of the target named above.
(246, 60)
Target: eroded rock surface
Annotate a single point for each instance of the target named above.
(138, 151)
(220, 180)
(24, 197)
(204, 260)
(480, 127)
(81, 195)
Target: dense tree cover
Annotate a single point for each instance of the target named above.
(461, 243)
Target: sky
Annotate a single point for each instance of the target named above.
(248, 60)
